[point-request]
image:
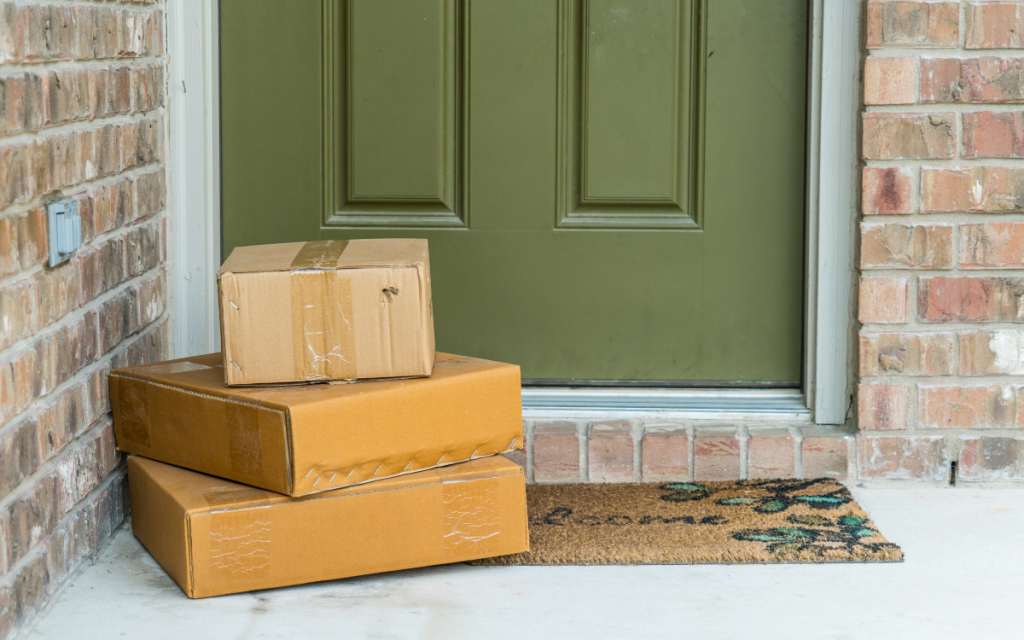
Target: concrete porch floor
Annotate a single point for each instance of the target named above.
(963, 578)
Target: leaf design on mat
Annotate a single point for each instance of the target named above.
(781, 495)
(684, 491)
(846, 532)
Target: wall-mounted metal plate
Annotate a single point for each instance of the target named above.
(64, 228)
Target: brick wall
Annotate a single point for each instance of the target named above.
(942, 241)
(82, 105)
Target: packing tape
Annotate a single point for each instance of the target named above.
(239, 538)
(132, 413)
(471, 518)
(323, 342)
(243, 420)
(323, 254)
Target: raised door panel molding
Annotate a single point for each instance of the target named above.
(393, 113)
(630, 93)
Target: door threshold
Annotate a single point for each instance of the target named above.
(703, 404)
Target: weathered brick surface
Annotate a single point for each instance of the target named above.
(992, 245)
(889, 80)
(993, 134)
(974, 189)
(970, 407)
(665, 453)
(889, 136)
(900, 23)
(994, 25)
(992, 459)
(610, 452)
(825, 456)
(992, 352)
(883, 406)
(902, 457)
(972, 80)
(970, 299)
(771, 454)
(82, 115)
(556, 452)
(883, 300)
(886, 190)
(906, 246)
(908, 354)
(716, 455)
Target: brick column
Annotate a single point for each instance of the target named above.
(942, 241)
(82, 104)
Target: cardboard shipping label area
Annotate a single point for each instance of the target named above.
(303, 439)
(329, 310)
(215, 537)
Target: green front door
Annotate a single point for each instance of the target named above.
(611, 189)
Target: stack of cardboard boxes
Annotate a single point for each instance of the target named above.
(247, 475)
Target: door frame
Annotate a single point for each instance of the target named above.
(831, 205)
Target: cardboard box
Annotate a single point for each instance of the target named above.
(331, 310)
(215, 537)
(309, 438)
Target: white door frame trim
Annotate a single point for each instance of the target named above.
(833, 106)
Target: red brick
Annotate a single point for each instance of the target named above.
(992, 245)
(15, 180)
(9, 264)
(63, 418)
(890, 80)
(883, 300)
(997, 352)
(825, 456)
(968, 407)
(906, 246)
(771, 454)
(972, 80)
(12, 43)
(993, 134)
(716, 455)
(914, 354)
(970, 299)
(610, 452)
(894, 136)
(556, 452)
(886, 191)
(665, 453)
(150, 193)
(991, 458)
(902, 457)
(147, 88)
(20, 451)
(33, 516)
(882, 406)
(928, 24)
(8, 393)
(30, 586)
(112, 89)
(5, 554)
(994, 25)
(974, 189)
(19, 311)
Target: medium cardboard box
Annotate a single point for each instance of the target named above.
(331, 310)
(215, 537)
(303, 439)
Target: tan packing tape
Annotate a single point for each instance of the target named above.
(243, 420)
(240, 539)
(323, 344)
(471, 518)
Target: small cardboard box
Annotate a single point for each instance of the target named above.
(304, 439)
(331, 310)
(215, 537)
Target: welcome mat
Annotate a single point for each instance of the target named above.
(749, 521)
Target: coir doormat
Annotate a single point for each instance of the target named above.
(749, 521)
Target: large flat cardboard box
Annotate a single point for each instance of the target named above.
(310, 438)
(215, 537)
(329, 310)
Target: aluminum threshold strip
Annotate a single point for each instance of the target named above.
(684, 403)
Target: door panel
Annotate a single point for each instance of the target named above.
(612, 189)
